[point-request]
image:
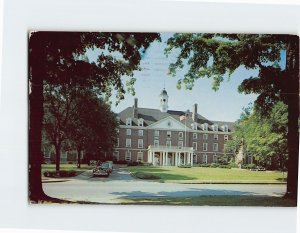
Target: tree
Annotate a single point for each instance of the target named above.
(218, 55)
(54, 59)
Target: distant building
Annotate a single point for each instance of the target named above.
(166, 137)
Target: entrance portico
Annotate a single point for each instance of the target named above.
(170, 156)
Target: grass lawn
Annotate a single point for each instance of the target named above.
(209, 175)
(214, 201)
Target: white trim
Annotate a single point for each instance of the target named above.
(206, 145)
(141, 141)
(140, 132)
(128, 132)
(216, 146)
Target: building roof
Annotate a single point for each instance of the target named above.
(151, 116)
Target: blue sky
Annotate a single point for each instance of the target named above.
(225, 104)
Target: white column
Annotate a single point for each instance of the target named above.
(192, 159)
(152, 155)
(165, 158)
(176, 155)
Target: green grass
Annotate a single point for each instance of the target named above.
(214, 201)
(210, 175)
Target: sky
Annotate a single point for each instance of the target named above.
(224, 105)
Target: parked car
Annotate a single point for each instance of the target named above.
(100, 171)
(106, 166)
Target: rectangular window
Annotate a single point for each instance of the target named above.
(128, 121)
(168, 143)
(141, 122)
(180, 144)
(205, 146)
(118, 142)
(226, 137)
(215, 147)
(180, 135)
(205, 136)
(156, 133)
(194, 135)
(116, 155)
(215, 128)
(216, 136)
(128, 142)
(204, 158)
(215, 158)
(140, 143)
(156, 143)
(168, 134)
(128, 132)
(128, 156)
(194, 126)
(225, 128)
(141, 133)
(204, 126)
(195, 145)
(139, 157)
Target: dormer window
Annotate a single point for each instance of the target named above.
(215, 128)
(128, 121)
(141, 122)
(225, 128)
(205, 126)
(194, 126)
(118, 119)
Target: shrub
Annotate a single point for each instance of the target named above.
(145, 176)
(214, 165)
(185, 166)
(120, 162)
(63, 173)
(203, 165)
(249, 166)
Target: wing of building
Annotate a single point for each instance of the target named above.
(166, 137)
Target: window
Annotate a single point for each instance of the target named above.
(168, 143)
(216, 136)
(205, 136)
(194, 126)
(205, 146)
(128, 156)
(194, 135)
(194, 158)
(140, 143)
(118, 142)
(215, 128)
(139, 157)
(226, 137)
(180, 144)
(195, 145)
(156, 133)
(205, 126)
(215, 147)
(128, 121)
(180, 135)
(225, 128)
(140, 122)
(128, 142)
(168, 134)
(116, 155)
(141, 133)
(204, 158)
(215, 158)
(128, 131)
(156, 143)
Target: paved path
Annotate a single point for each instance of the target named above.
(120, 185)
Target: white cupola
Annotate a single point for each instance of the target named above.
(164, 100)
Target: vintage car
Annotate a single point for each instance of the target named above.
(101, 171)
(107, 166)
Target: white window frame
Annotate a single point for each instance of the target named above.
(216, 137)
(215, 147)
(205, 146)
(195, 135)
(128, 132)
(225, 128)
(118, 142)
(141, 122)
(139, 157)
(194, 126)
(180, 144)
(128, 156)
(156, 133)
(141, 133)
(204, 158)
(169, 134)
(215, 128)
(226, 137)
(140, 143)
(128, 142)
(156, 143)
(195, 145)
(168, 143)
(205, 127)
(129, 121)
(205, 136)
(180, 135)
(215, 158)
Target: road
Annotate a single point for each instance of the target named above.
(120, 185)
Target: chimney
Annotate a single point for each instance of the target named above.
(135, 108)
(195, 114)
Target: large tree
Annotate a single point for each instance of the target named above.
(219, 55)
(54, 59)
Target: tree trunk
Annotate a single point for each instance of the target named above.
(292, 67)
(57, 158)
(35, 130)
(78, 158)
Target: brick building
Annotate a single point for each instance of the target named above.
(166, 137)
